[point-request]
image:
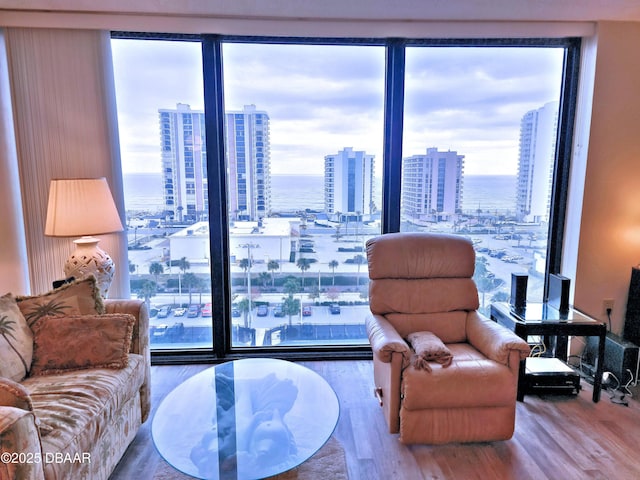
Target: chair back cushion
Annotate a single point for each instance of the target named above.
(414, 277)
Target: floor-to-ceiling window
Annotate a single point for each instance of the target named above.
(303, 141)
(301, 164)
(479, 153)
(160, 105)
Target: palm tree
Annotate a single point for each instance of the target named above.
(148, 289)
(191, 281)
(291, 307)
(243, 307)
(264, 277)
(6, 330)
(333, 264)
(183, 265)
(291, 286)
(359, 260)
(273, 265)
(156, 269)
(303, 264)
(245, 264)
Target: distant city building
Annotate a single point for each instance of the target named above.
(349, 183)
(184, 163)
(432, 185)
(538, 132)
(249, 163)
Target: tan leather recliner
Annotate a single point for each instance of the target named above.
(423, 282)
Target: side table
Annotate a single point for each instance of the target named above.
(544, 320)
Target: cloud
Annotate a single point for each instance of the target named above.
(322, 98)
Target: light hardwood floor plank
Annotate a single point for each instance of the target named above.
(556, 437)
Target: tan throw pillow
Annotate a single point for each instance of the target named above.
(78, 342)
(429, 348)
(16, 344)
(76, 298)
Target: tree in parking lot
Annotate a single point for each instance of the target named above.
(291, 286)
(333, 264)
(264, 278)
(156, 269)
(303, 264)
(291, 307)
(359, 260)
(147, 290)
(245, 264)
(183, 266)
(243, 307)
(273, 265)
(190, 281)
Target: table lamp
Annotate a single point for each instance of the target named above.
(84, 207)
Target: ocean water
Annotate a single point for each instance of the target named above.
(143, 192)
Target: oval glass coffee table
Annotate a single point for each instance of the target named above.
(245, 419)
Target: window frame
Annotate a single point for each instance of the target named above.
(395, 50)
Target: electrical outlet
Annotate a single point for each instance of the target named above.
(607, 304)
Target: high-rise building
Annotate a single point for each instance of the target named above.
(432, 185)
(184, 163)
(538, 132)
(249, 163)
(349, 183)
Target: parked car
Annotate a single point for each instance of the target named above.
(179, 312)
(263, 311)
(193, 311)
(164, 312)
(334, 309)
(206, 310)
(165, 333)
(278, 311)
(235, 311)
(306, 311)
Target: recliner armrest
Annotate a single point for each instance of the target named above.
(385, 339)
(493, 340)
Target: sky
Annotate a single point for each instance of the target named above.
(321, 99)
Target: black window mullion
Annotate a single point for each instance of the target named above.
(560, 182)
(393, 125)
(217, 190)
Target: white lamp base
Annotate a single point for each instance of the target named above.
(87, 259)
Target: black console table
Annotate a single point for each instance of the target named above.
(544, 320)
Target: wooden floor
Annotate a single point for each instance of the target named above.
(556, 437)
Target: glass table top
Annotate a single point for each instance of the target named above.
(543, 313)
(246, 419)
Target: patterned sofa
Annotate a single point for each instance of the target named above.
(85, 394)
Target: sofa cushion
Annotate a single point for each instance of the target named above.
(73, 407)
(81, 341)
(16, 344)
(76, 298)
(13, 394)
(472, 380)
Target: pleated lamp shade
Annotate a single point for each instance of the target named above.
(84, 206)
(81, 206)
